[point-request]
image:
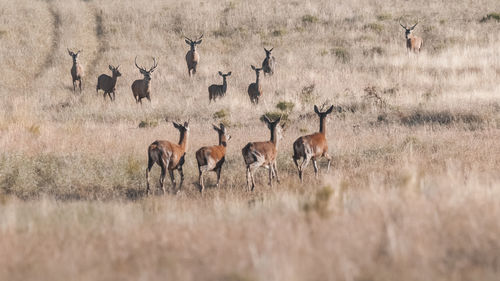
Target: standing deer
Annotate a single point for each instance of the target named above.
(215, 91)
(192, 56)
(268, 63)
(257, 154)
(169, 156)
(76, 70)
(313, 146)
(140, 88)
(211, 158)
(107, 83)
(413, 42)
(254, 89)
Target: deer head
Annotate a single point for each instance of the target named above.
(147, 73)
(193, 43)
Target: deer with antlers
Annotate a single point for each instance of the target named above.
(107, 83)
(211, 158)
(268, 63)
(311, 147)
(76, 70)
(413, 42)
(192, 56)
(257, 154)
(218, 91)
(141, 87)
(169, 156)
(254, 89)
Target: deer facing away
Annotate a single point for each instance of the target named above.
(107, 83)
(257, 154)
(413, 42)
(169, 156)
(311, 147)
(76, 70)
(268, 63)
(254, 89)
(211, 158)
(141, 87)
(218, 91)
(192, 56)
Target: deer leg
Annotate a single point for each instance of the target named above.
(270, 174)
(182, 177)
(74, 85)
(148, 170)
(276, 172)
(303, 165)
(248, 178)
(114, 96)
(218, 176)
(172, 178)
(164, 167)
(329, 162)
(315, 168)
(298, 168)
(80, 84)
(104, 96)
(200, 180)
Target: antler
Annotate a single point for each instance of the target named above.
(414, 25)
(140, 68)
(155, 64)
(200, 37)
(188, 39)
(401, 24)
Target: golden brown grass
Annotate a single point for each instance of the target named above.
(414, 187)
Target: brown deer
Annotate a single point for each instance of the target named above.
(140, 88)
(218, 91)
(169, 156)
(76, 70)
(413, 42)
(257, 154)
(211, 158)
(107, 83)
(313, 146)
(268, 63)
(254, 89)
(192, 56)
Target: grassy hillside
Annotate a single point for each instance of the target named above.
(411, 194)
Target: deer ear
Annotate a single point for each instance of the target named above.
(186, 125)
(199, 41)
(229, 73)
(220, 73)
(177, 126)
(277, 120)
(69, 52)
(329, 110)
(266, 119)
(110, 67)
(215, 127)
(271, 49)
(316, 109)
(253, 67)
(187, 42)
(222, 127)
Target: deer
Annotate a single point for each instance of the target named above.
(211, 158)
(254, 89)
(169, 156)
(76, 70)
(413, 42)
(312, 147)
(218, 91)
(268, 63)
(192, 56)
(107, 83)
(140, 88)
(257, 154)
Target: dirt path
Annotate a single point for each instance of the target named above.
(56, 41)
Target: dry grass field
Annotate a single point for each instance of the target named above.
(414, 188)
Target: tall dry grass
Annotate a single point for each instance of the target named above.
(412, 191)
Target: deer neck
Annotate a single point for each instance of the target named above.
(224, 84)
(223, 141)
(183, 140)
(257, 79)
(114, 78)
(75, 62)
(274, 137)
(322, 125)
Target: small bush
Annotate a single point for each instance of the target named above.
(34, 129)
(422, 117)
(375, 51)
(221, 114)
(383, 17)
(307, 94)
(341, 53)
(320, 203)
(307, 19)
(286, 106)
(374, 26)
(148, 123)
(278, 32)
(491, 16)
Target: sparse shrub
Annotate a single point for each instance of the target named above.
(278, 32)
(371, 92)
(374, 51)
(303, 130)
(422, 117)
(133, 168)
(308, 19)
(148, 123)
(221, 114)
(383, 17)
(34, 129)
(286, 106)
(307, 94)
(320, 202)
(341, 53)
(273, 115)
(374, 26)
(491, 16)
(323, 52)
